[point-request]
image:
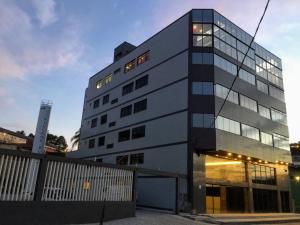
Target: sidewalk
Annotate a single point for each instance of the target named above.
(154, 217)
(250, 219)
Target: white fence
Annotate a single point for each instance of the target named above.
(17, 178)
(64, 180)
(75, 182)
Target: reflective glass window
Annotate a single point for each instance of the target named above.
(278, 116)
(281, 142)
(250, 132)
(261, 86)
(266, 138)
(203, 120)
(248, 103)
(222, 92)
(263, 111)
(228, 125)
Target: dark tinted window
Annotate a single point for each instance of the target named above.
(127, 89)
(105, 99)
(140, 106)
(103, 119)
(92, 143)
(202, 58)
(114, 101)
(111, 124)
(141, 82)
(126, 111)
(202, 88)
(94, 122)
(138, 132)
(96, 103)
(101, 141)
(110, 146)
(99, 160)
(117, 71)
(137, 158)
(122, 160)
(124, 135)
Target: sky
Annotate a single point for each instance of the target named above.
(50, 48)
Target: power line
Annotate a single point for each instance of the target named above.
(240, 66)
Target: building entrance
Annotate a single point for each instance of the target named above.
(224, 199)
(265, 200)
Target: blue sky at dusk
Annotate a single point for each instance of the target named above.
(49, 49)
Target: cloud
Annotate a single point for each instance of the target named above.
(45, 11)
(26, 49)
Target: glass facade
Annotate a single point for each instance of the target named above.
(203, 120)
(222, 92)
(281, 142)
(228, 125)
(259, 88)
(202, 35)
(225, 65)
(250, 132)
(202, 58)
(246, 76)
(266, 138)
(263, 174)
(248, 103)
(278, 116)
(263, 111)
(202, 88)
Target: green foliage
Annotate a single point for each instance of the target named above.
(58, 142)
(75, 138)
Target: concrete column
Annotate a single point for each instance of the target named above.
(199, 184)
(223, 200)
(279, 201)
(250, 188)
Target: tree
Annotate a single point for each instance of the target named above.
(58, 142)
(31, 135)
(22, 132)
(75, 139)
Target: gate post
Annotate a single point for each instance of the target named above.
(40, 179)
(134, 185)
(177, 193)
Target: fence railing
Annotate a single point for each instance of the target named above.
(31, 177)
(18, 177)
(75, 182)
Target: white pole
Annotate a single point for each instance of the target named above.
(42, 128)
(38, 147)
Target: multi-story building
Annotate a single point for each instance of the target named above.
(155, 107)
(295, 152)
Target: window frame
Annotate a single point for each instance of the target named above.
(140, 60)
(127, 89)
(139, 83)
(136, 134)
(140, 106)
(105, 99)
(129, 66)
(127, 136)
(126, 111)
(102, 143)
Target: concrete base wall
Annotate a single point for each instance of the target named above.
(58, 213)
